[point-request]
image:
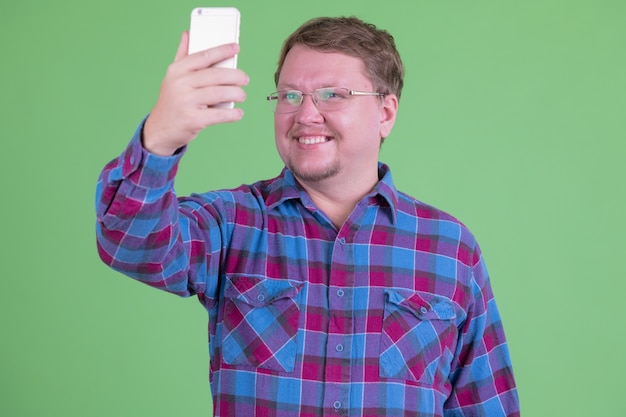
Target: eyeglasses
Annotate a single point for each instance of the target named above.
(325, 99)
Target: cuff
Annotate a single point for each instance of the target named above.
(145, 169)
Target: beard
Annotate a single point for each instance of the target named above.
(315, 175)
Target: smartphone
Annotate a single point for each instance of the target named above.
(214, 26)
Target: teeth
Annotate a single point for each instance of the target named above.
(312, 140)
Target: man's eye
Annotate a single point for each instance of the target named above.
(291, 97)
(328, 95)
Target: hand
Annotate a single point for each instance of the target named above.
(189, 90)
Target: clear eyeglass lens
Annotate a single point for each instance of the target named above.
(332, 98)
(290, 99)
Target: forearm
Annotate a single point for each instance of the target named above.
(137, 219)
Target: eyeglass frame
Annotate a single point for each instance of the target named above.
(314, 97)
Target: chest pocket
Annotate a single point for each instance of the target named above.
(260, 322)
(419, 335)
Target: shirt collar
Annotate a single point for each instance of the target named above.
(386, 191)
(285, 187)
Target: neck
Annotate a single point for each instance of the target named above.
(337, 198)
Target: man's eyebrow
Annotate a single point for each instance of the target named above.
(287, 86)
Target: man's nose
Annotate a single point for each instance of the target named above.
(308, 111)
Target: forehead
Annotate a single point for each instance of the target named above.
(305, 69)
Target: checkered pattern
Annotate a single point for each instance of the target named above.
(392, 315)
(260, 322)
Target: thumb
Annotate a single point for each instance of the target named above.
(183, 46)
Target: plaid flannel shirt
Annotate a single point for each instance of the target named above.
(391, 315)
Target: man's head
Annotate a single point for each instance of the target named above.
(353, 37)
(336, 146)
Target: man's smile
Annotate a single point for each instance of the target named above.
(312, 140)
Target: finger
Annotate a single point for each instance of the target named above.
(216, 115)
(218, 76)
(182, 46)
(210, 57)
(211, 96)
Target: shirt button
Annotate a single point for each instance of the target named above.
(340, 293)
(342, 240)
(423, 310)
(337, 405)
(260, 297)
(339, 347)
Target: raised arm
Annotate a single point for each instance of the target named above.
(142, 230)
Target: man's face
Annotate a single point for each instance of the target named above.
(342, 144)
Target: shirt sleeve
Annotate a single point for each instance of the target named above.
(143, 231)
(482, 375)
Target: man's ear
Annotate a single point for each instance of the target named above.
(388, 113)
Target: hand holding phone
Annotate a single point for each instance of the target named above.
(199, 88)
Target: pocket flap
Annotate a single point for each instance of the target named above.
(425, 306)
(260, 291)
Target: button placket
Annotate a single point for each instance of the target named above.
(340, 330)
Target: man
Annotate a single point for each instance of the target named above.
(329, 292)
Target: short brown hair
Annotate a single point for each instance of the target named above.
(353, 37)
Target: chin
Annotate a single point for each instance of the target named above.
(315, 175)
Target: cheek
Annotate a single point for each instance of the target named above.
(282, 125)
(281, 129)
(365, 127)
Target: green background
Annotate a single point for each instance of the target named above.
(512, 119)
